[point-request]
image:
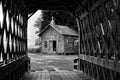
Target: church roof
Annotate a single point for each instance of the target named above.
(64, 30)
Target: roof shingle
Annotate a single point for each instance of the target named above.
(64, 30)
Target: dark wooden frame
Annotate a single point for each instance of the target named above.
(13, 53)
(99, 42)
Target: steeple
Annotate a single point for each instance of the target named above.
(52, 21)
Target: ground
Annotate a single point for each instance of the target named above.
(51, 62)
(53, 67)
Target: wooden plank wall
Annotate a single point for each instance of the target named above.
(100, 39)
(13, 40)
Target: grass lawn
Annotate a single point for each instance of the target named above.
(51, 62)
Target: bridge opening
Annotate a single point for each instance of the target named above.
(53, 45)
(51, 61)
(98, 25)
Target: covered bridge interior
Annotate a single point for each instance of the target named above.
(99, 35)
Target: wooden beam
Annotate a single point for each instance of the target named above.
(107, 63)
(9, 68)
(31, 15)
(97, 4)
(81, 6)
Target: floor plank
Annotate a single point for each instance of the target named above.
(34, 74)
(39, 75)
(28, 76)
(55, 75)
(64, 75)
(45, 75)
(73, 75)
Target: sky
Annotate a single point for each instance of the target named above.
(31, 29)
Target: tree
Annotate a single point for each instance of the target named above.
(61, 18)
(42, 21)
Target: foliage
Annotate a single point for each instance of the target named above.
(61, 17)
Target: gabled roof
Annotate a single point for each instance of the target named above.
(64, 30)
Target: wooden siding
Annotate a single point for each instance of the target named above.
(51, 34)
(69, 44)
